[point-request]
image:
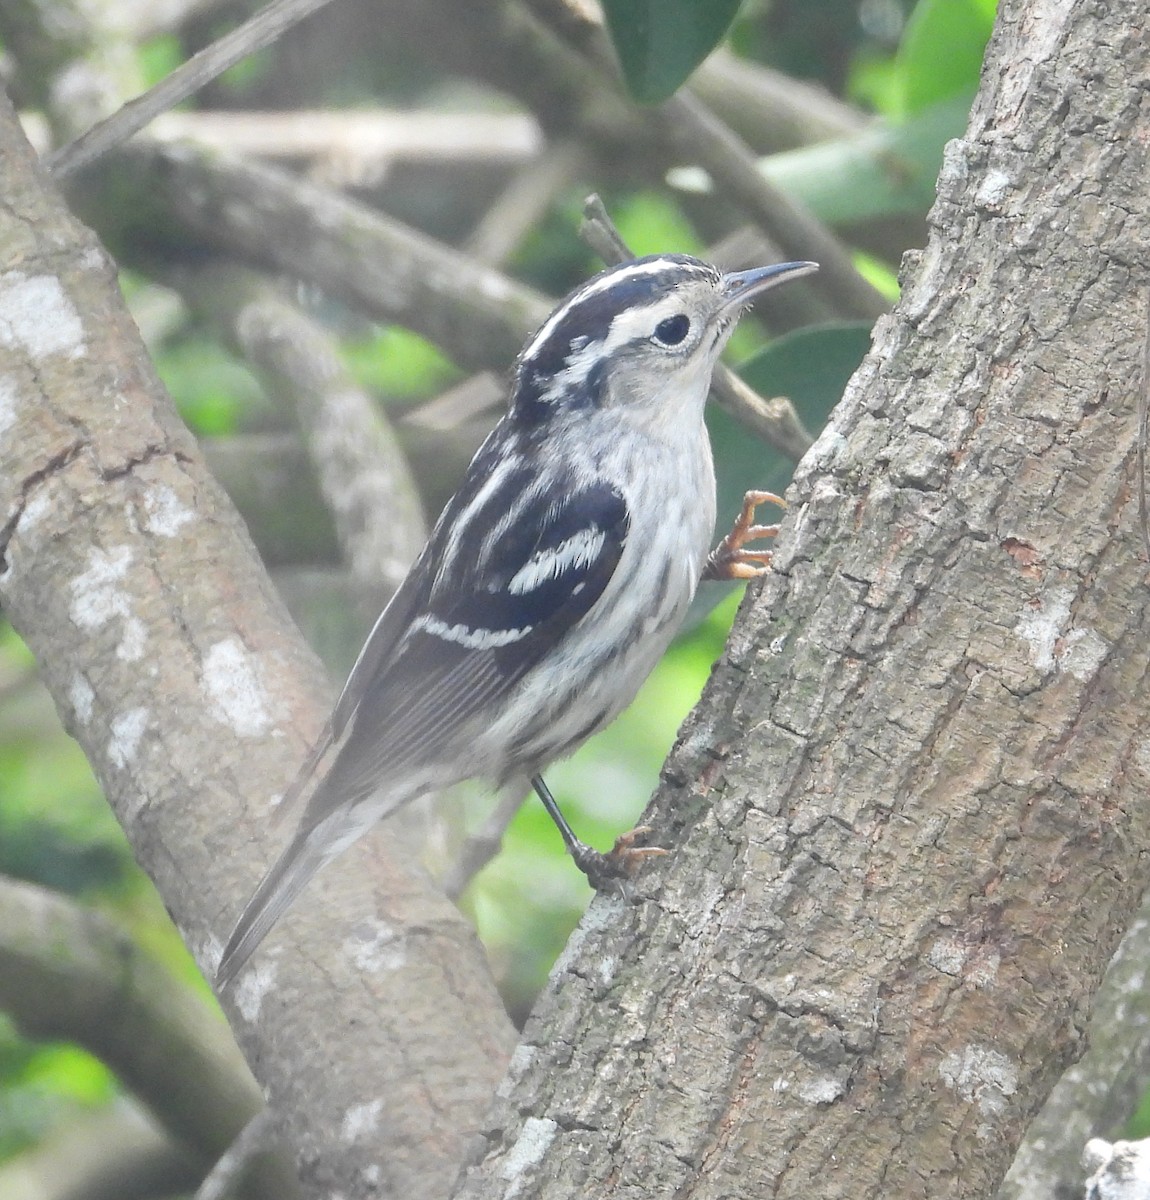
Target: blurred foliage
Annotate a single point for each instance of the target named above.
(42, 1084)
(215, 392)
(398, 364)
(660, 42)
(941, 52)
(915, 64)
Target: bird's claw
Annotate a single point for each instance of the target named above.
(729, 560)
(614, 868)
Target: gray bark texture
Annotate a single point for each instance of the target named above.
(909, 814)
(173, 663)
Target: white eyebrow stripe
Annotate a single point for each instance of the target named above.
(631, 325)
(637, 324)
(579, 550)
(463, 635)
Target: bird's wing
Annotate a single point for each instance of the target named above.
(510, 568)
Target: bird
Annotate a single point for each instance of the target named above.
(552, 582)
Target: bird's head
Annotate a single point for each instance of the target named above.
(646, 335)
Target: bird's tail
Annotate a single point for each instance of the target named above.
(288, 876)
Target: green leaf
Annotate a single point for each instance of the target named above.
(660, 42)
(810, 367)
(889, 169)
(941, 52)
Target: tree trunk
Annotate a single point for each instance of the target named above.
(174, 665)
(909, 813)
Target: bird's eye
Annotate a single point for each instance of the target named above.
(672, 330)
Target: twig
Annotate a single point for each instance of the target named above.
(683, 127)
(364, 142)
(260, 31)
(60, 963)
(113, 1152)
(520, 206)
(772, 111)
(774, 420)
(363, 473)
(477, 395)
(599, 232)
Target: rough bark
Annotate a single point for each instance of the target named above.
(174, 665)
(910, 812)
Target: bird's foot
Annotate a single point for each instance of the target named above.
(614, 868)
(729, 559)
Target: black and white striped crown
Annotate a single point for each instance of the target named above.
(564, 359)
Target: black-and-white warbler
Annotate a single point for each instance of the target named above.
(553, 581)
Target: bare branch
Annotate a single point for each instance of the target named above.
(359, 146)
(111, 1154)
(599, 232)
(362, 470)
(524, 202)
(683, 128)
(227, 1174)
(1097, 1095)
(482, 845)
(254, 34)
(770, 110)
(698, 132)
(370, 261)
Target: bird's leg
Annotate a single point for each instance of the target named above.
(729, 560)
(602, 870)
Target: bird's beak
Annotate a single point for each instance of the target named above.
(739, 288)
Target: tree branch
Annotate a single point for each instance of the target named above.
(362, 471)
(173, 664)
(370, 261)
(254, 34)
(694, 129)
(1098, 1094)
(115, 1154)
